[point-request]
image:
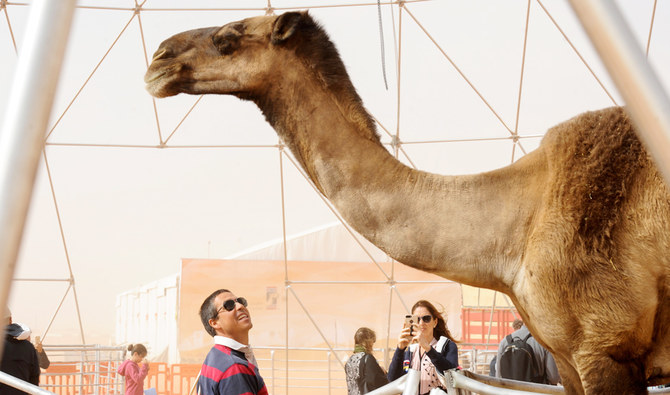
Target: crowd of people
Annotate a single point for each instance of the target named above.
(25, 361)
(424, 345)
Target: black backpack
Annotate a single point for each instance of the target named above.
(517, 361)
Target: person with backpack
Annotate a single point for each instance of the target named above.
(363, 372)
(520, 357)
(432, 350)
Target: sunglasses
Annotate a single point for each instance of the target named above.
(229, 304)
(426, 318)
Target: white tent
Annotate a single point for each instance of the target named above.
(148, 313)
(128, 185)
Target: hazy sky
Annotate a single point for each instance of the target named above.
(130, 211)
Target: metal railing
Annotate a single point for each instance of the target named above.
(92, 370)
(83, 369)
(321, 369)
(22, 385)
(463, 382)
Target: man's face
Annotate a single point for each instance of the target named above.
(234, 324)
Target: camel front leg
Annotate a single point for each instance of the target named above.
(569, 377)
(600, 374)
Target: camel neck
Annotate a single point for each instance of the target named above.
(449, 225)
(320, 124)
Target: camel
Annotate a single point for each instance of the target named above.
(575, 232)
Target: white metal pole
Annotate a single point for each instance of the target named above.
(646, 101)
(25, 122)
(19, 384)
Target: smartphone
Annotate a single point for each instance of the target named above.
(409, 321)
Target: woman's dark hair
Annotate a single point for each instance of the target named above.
(208, 311)
(441, 328)
(365, 337)
(137, 348)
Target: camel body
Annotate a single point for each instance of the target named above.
(575, 232)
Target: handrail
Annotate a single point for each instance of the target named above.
(22, 385)
(484, 385)
(407, 384)
(455, 380)
(82, 347)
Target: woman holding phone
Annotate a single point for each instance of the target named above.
(425, 345)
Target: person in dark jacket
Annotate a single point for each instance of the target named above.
(19, 357)
(429, 333)
(363, 373)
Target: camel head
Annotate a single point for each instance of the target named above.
(237, 59)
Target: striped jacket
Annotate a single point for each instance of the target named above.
(227, 372)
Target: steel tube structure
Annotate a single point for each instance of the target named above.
(465, 382)
(25, 121)
(646, 101)
(407, 384)
(22, 385)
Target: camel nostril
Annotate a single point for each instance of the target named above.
(159, 54)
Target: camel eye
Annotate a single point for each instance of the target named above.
(238, 27)
(227, 39)
(226, 44)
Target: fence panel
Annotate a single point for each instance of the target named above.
(61, 378)
(479, 322)
(308, 371)
(83, 369)
(182, 377)
(158, 378)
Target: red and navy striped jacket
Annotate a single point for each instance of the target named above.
(226, 372)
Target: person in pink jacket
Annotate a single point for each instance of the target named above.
(134, 374)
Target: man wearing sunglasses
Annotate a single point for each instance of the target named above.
(230, 367)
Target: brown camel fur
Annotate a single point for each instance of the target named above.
(575, 232)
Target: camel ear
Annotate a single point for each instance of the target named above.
(285, 25)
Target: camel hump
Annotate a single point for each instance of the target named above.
(595, 158)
